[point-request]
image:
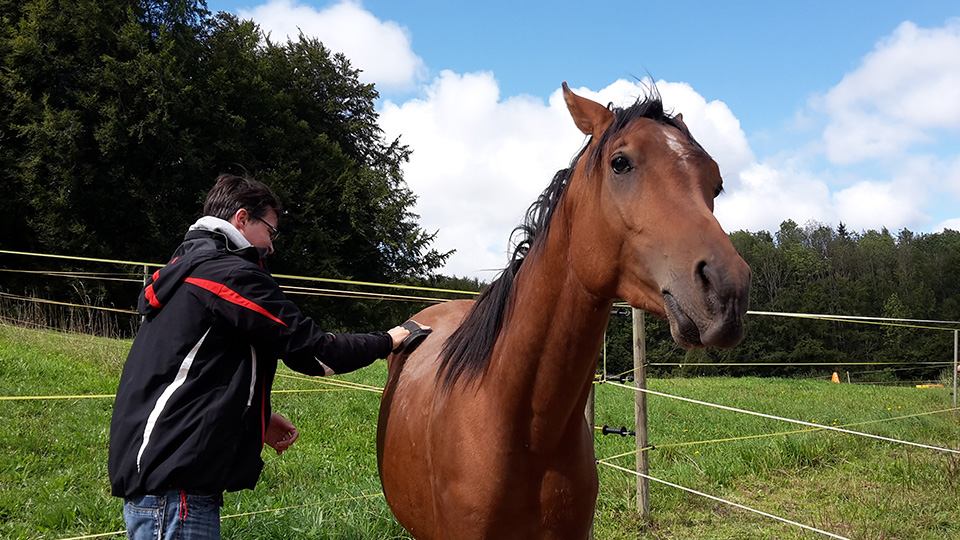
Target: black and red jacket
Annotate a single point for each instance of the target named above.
(194, 399)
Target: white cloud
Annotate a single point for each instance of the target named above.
(381, 49)
(905, 90)
(874, 205)
(952, 224)
(767, 195)
(774, 191)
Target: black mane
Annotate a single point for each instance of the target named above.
(468, 350)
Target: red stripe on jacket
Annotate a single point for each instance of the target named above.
(152, 297)
(150, 294)
(232, 296)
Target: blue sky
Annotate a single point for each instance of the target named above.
(816, 111)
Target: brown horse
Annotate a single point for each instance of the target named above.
(481, 431)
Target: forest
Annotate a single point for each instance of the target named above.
(817, 269)
(117, 115)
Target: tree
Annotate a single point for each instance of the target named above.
(116, 116)
(816, 270)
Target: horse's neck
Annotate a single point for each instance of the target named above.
(548, 350)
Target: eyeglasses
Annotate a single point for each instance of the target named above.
(274, 233)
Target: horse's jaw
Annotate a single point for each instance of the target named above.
(704, 309)
(684, 331)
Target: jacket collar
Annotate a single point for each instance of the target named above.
(234, 241)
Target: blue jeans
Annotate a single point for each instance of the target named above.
(174, 515)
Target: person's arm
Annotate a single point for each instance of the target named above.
(260, 311)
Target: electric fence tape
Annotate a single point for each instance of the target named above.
(731, 503)
(782, 419)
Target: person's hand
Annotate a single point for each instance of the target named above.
(399, 333)
(280, 433)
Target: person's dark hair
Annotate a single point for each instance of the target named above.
(232, 192)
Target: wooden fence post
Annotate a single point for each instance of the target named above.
(640, 408)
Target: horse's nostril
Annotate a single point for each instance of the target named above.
(702, 274)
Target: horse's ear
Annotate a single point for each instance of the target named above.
(679, 119)
(589, 116)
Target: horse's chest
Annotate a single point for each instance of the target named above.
(534, 497)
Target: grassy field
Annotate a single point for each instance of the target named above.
(53, 480)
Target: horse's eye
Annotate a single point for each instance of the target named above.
(621, 165)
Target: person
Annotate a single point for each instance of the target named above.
(192, 411)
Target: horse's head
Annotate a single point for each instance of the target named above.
(642, 198)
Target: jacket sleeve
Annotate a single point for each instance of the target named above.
(342, 353)
(252, 302)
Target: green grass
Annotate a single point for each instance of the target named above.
(851, 486)
(53, 479)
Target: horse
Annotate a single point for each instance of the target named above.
(481, 432)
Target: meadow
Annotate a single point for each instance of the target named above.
(53, 478)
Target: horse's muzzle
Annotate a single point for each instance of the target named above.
(710, 314)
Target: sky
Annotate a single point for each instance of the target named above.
(819, 112)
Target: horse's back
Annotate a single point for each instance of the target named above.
(403, 456)
(443, 319)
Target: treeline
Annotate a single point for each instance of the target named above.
(116, 116)
(816, 269)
